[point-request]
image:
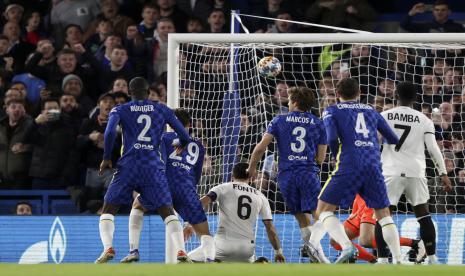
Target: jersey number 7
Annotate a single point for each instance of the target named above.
(404, 135)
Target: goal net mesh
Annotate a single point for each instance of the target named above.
(232, 110)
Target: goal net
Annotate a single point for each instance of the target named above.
(231, 106)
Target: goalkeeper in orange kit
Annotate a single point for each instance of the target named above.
(361, 224)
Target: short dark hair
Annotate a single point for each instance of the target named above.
(240, 171)
(75, 26)
(183, 116)
(21, 203)
(441, 2)
(66, 51)
(139, 87)
(348, 88)
(302, 96)
(150, 5)
(120, 47)
(406, 92)
(15, 101)
(56, 100)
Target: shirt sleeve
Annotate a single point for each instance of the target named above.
(110, 134)
(332, 135)
(433, 148)
(163, 145)
(175, 124)
(323, 138)
(199, 165)
(273, 127)
(215, 193)
(386, 131)
(265, 211)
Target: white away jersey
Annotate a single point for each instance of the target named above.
(411, 127)
(239, 207)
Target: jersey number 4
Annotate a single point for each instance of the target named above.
(193, 152)
(361, 126)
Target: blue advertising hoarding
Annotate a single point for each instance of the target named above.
(75, 239)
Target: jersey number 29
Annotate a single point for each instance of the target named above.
(193, 152)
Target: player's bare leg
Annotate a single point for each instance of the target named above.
(389, 233)
(427, 233)
(136, 220)
(206, 251)
(174, 230)
(106, 229)
(332, 225)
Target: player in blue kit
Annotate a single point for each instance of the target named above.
(183, 172)
(352, 130)
(140, 167)
(301, 140)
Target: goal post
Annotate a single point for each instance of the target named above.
(214, 76)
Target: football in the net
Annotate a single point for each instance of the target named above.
(269, 67)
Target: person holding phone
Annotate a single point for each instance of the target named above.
(440, 24)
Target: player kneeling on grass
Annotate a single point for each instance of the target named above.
(301, 139)
(183, 171)
(239, 207)
(140, 167)
(361, 224)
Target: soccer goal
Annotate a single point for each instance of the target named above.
(215, 77)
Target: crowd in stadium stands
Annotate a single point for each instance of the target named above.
(65, 64)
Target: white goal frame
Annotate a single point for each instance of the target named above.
(174, 40)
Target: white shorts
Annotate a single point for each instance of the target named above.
(414, 188)
(234, 251)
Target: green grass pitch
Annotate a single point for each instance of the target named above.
(228, 269)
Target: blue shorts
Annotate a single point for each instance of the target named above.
(150, 182)
(342, 186)
(187, 203)
(300, 188)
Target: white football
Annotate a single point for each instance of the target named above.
(269, 67)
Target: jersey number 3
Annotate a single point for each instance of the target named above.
(299, 133)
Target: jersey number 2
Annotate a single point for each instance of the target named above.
(241, 204)
(144, 119)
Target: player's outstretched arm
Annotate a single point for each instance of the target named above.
(321, 154)
(435, 152)
(258, 152)
(332, 134)
(175, 124)
(274, 240)
(109, 139)
(386, 131)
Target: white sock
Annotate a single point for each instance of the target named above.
(208, 245)
(170, 251)
(383, 260)
(318, 232)
(391, 236)
(305, 233)
(432, 258)
(106, 228)
(174, 228)
(136, 219)
(335, 229)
